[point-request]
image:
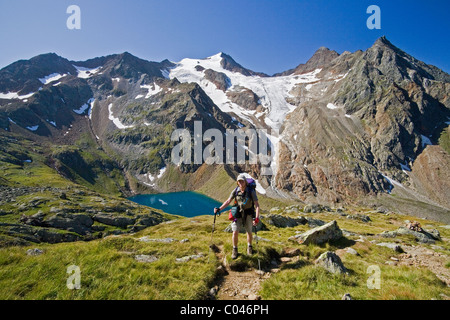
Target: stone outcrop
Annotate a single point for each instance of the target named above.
(331, 262)
(325, 233)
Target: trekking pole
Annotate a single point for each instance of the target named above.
(212, 232)
(257, 252)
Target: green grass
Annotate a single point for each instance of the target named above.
(444, 139)
(109, 269)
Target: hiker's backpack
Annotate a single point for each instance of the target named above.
(251, 186)
(235, 211)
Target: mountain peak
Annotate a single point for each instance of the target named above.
(383, 41)
(228, 63)
(321, 57)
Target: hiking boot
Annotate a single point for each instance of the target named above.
(234, 254)
(249, 250)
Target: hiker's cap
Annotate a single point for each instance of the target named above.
(241, 177)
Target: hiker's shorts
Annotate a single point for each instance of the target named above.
(238, 224)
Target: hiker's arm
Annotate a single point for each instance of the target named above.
(224, 205)
(257, 213)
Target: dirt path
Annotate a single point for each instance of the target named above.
(237, 285)
(421, 256)
(240, 286)
(245, 285)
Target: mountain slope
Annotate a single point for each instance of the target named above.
(342, 127)
(371, 124)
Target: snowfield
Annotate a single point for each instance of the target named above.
(272, 91)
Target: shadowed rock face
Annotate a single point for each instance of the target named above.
(372, 118)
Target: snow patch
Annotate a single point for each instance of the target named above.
(53, 123)
(33, 128)
(15, 95)
(405, 167)
(332, 106)
(85, 73)
(51, 77)
(85, 106)
(161, 172)
(152, 89)
(115, 120)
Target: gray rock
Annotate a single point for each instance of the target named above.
(34, 252)
(163, 240)
(422, 237)
(331, 262)
(145, 258)
(358, 216)
(33, 220)
(392, 246)
(114, 220)
(191, 257)
(352, 251)
(280, 221)
(433, 233)
(312, 208)
(313, 223)
(78, 223)
(318, 235)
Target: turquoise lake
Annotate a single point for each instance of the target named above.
(184, 203)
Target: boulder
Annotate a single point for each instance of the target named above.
(392, 246)
(280, 221)
(358, 216)
(145, 258)
(33, 220)
(331, 262)
(319, 235)
(313, 223)
(191, 257)
(423, 237)
(78, 223)
(312, 208)
(114, 220)
(34, 252)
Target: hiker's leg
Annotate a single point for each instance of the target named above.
(235, 227)
(248, 228)
(235, 238)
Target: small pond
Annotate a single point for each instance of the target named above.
(184, 203)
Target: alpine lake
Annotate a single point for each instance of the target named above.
(184, 203)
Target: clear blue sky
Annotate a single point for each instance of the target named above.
(265, 36)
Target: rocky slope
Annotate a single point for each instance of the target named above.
(366, 132)
(342, 127)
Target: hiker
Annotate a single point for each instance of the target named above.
(246, 203)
